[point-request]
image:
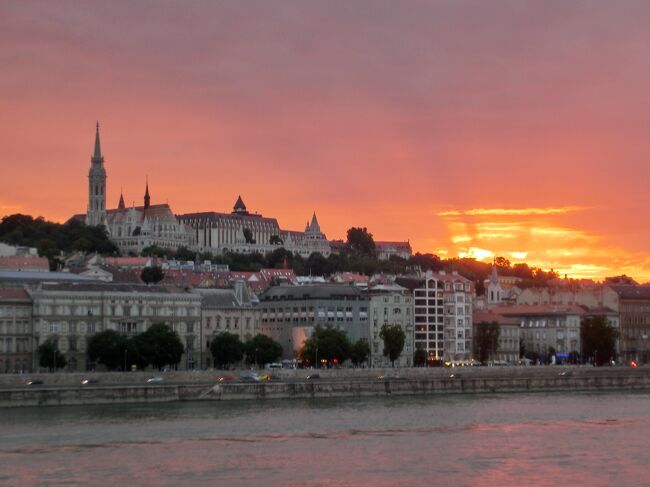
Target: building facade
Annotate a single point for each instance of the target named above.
(70, 313)
(130, 228)
(443, 315)
(508, 346)
(16, 332)
(634, 309)
(547, 328)
(289, 314)
(246, 233)
(390, 305)
(233, 311)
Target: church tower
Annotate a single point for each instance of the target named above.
(96, 186)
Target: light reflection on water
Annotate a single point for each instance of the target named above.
(506, 439)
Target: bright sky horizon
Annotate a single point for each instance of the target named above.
(469, 128)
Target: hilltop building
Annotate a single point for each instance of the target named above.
(130, 228)
(246, 233)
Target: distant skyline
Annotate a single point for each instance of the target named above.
(470, 128)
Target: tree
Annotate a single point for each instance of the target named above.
(261, 350)
(502, 263)
(486, 340)
(598, 339)
(248, 235)
(108, 348)
(159, 346)
(393, 337)
(227, 349)
(420, 357)
(153, 274)
(360, 352)
(49, 355)
(360, 241)
(326, 344)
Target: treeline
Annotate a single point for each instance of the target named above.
(358, 254)
(51, 239)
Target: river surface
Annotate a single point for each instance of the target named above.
(454, 440)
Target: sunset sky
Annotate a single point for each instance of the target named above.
(471, 128)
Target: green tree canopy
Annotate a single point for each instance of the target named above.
(329, 344)
(486, 340)
(159, 346)
(360, 352)
(227, 349)
(394, 338)
(49, 355)
(360, 241)
(261, 350)
(108, 348)
(598, 339)
(152, 275)
(53, 238)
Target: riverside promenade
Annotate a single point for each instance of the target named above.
(115, 388)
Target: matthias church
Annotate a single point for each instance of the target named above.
(137, 227)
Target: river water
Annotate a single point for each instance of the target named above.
(454, 440)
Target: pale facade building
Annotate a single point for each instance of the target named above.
(443, 314)
(233, 311)
(16, 334)
(246, 233)
(130, 228)
(390, 305)
(70, 313)
(508, 346)
(386, 250)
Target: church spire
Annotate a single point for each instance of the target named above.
(147, 199)
(97, 156)
(120, 205)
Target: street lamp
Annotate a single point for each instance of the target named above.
(316, 356)
(125, 360)
(256, 364)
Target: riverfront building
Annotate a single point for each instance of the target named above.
(634, 307)
(543, 327)
(508, 346)
(227, 310)
(69, 313)
(16, 342)
(390, 305)
(443, 314)
(289, 314)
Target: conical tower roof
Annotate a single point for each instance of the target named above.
(97, 155)
(239, 207)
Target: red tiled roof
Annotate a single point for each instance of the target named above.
(13, 294)
(126, 261)
(24, 262)
(539, 309)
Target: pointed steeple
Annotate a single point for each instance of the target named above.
(147, 198)
(97, 155)
(240, 207)
(313, 227)
(120, 205)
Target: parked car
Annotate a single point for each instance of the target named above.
(33, 382)
(249, 378)
(225, 378)
(313, 376)
(90, 380)
(155, 380)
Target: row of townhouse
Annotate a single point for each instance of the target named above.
(68, 313)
